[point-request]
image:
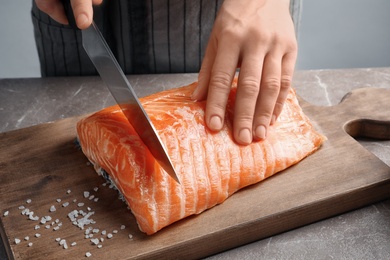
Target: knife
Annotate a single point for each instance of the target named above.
(109, 70)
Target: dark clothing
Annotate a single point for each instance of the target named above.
(164, 36)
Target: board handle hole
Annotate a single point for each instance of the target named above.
(368, 128)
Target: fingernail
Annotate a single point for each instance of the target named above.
(260, 132)
(215, 123)
(245, 136)
(82, 20)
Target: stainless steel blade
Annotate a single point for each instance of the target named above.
(112, 74)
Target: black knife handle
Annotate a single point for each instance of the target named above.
(69, 14)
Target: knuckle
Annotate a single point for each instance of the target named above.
(272, 84)
(285, 82)
(250, 87)
(220, 81)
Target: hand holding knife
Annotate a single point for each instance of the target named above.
(121, 89)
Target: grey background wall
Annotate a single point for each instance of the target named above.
(333, 34)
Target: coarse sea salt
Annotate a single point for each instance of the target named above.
(86, 194)
(52, 208)
(95, 241)
(88, 254)
(17, 240)
(6, 213)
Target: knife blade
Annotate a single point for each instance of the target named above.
(109, 70)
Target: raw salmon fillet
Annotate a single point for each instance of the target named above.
(210, 166)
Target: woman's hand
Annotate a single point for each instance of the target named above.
(258, 37)
(82, 10)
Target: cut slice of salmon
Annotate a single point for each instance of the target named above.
(210, 166)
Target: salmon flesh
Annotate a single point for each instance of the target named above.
(210, 166)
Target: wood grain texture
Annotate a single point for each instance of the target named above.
(41, 163)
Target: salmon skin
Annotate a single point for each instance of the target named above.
(210, 166)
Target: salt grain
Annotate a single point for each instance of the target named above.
(52, 208)
(47, 226)
(96, 230)
(37, 227)
(56, 228)
(109, 235)
(99, 246)
(68, 191)
(95, 241)
(37, 235)
(115, 231)
(28, 201)
(31, 217)
(88, 254)
(130, 236)
(58, 239)
(21, 207)
(6, 213)
(123, 227)
(30, 244)
(86, 194)
(80, 204)
(65, 204)
(96, 189)
(104, 232)
(91, 197)
(58, 200)
(73, 244)
(26, 238)
(17, 240)
(96, 199)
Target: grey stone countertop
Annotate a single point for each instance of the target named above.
(359, 234)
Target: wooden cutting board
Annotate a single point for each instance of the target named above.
(42, 164)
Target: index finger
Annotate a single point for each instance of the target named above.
(221, 77)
